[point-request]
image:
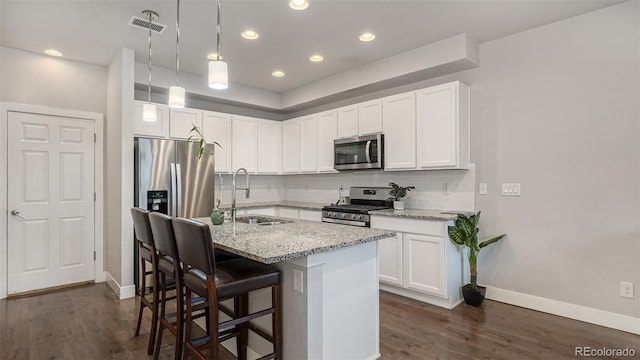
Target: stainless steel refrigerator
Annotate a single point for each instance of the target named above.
(170, 179)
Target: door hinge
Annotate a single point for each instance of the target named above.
(94, 256)
(94, 137)
(94, 197)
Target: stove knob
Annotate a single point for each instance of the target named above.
(354, 217)
(344, 216)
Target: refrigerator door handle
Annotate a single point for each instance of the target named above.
(179, 189)
(173, 189)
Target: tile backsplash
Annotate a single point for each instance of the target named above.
(323, 188)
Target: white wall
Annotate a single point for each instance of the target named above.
(36, 79)
(119, 175)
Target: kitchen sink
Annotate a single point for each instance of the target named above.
(261, 220)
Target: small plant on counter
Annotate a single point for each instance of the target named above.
(465, 233)
(202, 143)
(398, 192)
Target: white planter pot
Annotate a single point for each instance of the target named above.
(398, 205)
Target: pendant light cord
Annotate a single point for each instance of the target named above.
(150, 24)
(178, 42)
(218, 31)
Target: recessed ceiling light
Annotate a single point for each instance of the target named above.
(213, 57)
(250, 34)
(277, 73)
(298, 4)
(366, 36)
(53, 52)
(316, 58)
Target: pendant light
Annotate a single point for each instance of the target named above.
(149, 109)
(218, 69)
(177, 93)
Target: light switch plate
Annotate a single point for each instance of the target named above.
(510, 189)
(298, 282)
(482, 188)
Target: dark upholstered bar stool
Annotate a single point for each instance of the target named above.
(148, 265)
(168, 267)
(233, 278)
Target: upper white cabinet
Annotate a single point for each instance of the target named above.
(309, 143)
(399, 122)
(348, 121)
(182, 121)
(443, 126)
(245, 143)
(269, 147)
(291, 146)
(370, 117)
(158, 128)
(216, 127)
(327, 132)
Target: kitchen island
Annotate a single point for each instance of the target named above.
(329, 285)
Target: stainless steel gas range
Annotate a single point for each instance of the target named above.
(362, 201)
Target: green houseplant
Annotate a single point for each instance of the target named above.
(217, 214)
(397, 193)
(465, 232)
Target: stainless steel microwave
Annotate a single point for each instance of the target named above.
(359, 152)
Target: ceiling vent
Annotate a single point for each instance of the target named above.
(144, 24)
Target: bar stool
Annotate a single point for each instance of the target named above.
(147, 253)
(168, 266)
(217, 282)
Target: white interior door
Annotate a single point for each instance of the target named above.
(50, 201)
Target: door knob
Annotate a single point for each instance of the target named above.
(16, 213)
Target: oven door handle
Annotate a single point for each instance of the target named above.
(367, 151)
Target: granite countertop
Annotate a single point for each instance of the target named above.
(298, 238)
(422, 214)
(289, 204)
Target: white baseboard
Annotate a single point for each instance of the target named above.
(101, 277)
(577, 312)
(374, 357)
(123, 292)
(429, 299)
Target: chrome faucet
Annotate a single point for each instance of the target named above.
(247, 191)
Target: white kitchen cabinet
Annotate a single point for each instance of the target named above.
(245, 143)
(269, 147)
(348, 121)
(327, 132)
(424, 263)
(309, 143)
(370, 117)
(291, 146)
(399, 123)
(216, 127)
(420, 262)
(390, 259)
(443, 126)
(182, 121)
(158, 128)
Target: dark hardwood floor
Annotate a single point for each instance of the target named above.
(89, 322)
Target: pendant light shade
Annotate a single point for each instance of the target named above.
(149, 112)
(218, 75)
(218, 69)
(149, 109)
(176, 92)
(176, 96)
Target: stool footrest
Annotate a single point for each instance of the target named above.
(247, 318)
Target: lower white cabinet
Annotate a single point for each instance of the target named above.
(420, 262)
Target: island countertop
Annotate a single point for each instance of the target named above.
(296, 238)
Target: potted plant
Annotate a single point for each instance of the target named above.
(397, 193)
(465, 232)
(217, 214)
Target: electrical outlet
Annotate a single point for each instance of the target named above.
(306, 186)
(510, 189)
(482, 188)
(626, 289)
(445, 189)
(298, 281)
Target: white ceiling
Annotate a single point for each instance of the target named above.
(92, 31)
